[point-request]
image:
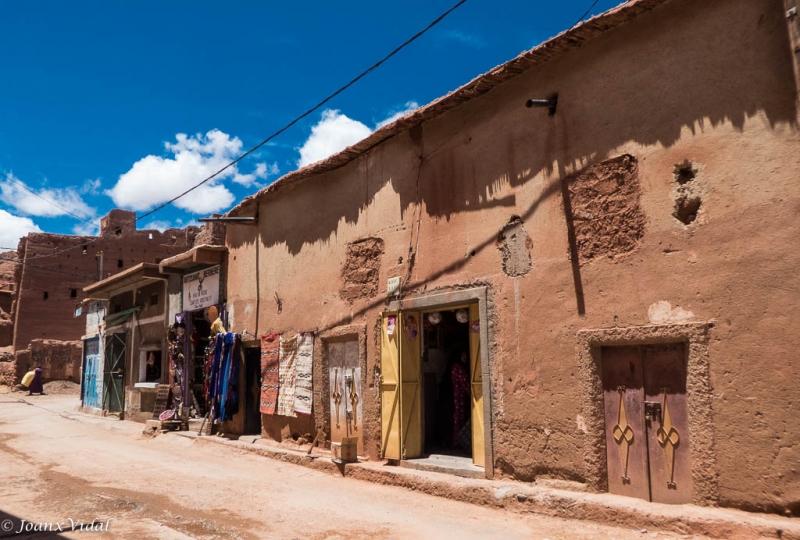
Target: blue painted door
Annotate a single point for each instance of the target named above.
(92, 374)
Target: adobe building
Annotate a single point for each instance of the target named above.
(146, 329)
(53, 269)
(617, 265)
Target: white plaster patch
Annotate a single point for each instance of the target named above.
(248, 308)
(662, 313)
(581, 423)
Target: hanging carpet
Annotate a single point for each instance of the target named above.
(270, 356)
(286, 376)
(303, 390)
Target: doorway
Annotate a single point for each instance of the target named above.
(446, 383)
(114, 373)
(252, 381)
(419, 414)
(648, 445)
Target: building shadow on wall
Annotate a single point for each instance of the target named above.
(709, 75)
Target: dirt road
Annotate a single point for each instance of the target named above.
(57, 465)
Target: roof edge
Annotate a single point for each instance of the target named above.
(568, 40)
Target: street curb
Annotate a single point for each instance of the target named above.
(526, 498)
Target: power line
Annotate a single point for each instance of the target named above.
(584, 15)
(360, 76)
(29, 190)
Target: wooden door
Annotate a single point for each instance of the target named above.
(626, 441)
(344, 374)
(390, 386)
(410, 384)
(667, 423)
(476, 387)
(647, 424)
(114, 373)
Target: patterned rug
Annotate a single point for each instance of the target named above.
(303, 390)
(286, 376)
(270, 347)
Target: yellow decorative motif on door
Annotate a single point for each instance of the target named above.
(623, 434)
(669, 439)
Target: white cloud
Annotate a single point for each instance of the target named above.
(407, 108)
(68, 199)
(335, 132)
(154, 179)
(12, 228)
(92, 187)
(86, 229)
(159, 225)
(466, 39)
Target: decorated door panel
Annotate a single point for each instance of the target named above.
(667, 423)
(345, 394)
(646, 420)
(626, 443)
(476, 387)
(411, 384)
(390, 386)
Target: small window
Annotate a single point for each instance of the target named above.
(46, 295)
(118, 231)
(73, 293)
(119, 263)
(153, 299)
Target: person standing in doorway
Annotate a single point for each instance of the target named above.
(459, 374)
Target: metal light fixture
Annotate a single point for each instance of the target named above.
(551, 103)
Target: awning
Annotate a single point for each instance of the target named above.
(141, 273)
(121, 316)
(204, 254)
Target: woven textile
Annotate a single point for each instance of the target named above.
(270, 356)
(286, 376)
(303, 390)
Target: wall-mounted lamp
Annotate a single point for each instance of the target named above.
(551, 103)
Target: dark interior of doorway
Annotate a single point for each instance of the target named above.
(201, 330)
(252, 381)
(446, 388)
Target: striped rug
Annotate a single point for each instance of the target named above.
(286, 376)
(270, 346)
(303, 390)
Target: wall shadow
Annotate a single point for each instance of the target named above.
(644, 83)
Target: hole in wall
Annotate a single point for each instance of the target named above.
(687, 191)
(686, 209)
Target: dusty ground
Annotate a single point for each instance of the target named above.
(57, 464)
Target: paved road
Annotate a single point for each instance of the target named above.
(58, 465)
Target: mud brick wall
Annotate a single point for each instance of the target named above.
(52, 280)
(60, 360)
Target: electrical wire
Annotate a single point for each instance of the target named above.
(341, 89)
(360, 76)
(584, 15)
(10, 178)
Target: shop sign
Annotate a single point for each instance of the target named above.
(201, 289)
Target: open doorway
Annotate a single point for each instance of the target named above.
(446, 377)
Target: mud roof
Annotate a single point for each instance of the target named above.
(564, 42)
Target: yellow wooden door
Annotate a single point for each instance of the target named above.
(390, 386)
(476, 390)
(410, 385)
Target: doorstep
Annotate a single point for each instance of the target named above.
(533, 498)
(440, 463)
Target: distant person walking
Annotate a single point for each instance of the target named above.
(36, 384)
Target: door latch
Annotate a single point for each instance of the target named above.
(652, 410)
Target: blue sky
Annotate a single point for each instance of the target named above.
(124, 104)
